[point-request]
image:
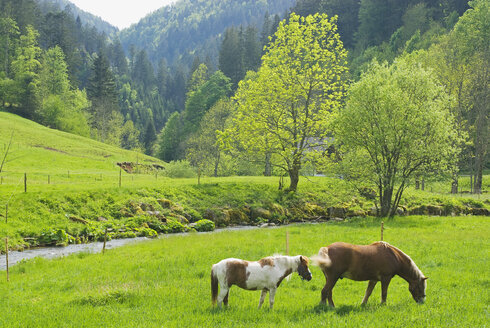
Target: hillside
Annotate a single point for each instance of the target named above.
(194, 27)
(38, 149)
(85, 17)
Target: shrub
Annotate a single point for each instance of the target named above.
(204, 225)
(174, 227)
(179, 169)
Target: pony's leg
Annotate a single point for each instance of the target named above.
(327, 290)
(272, 294)
(369, 290)
(225, 300)
(385, 282)
(262, 297)
(223, 292)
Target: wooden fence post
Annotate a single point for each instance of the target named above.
(49, 179)
(382, 229)
(120, 175)
(105, 240)
(287, 242)
(7, 213)
(25, 182)
(7, 256)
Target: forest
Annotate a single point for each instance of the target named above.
(187, 83)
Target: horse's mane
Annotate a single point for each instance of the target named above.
(414, 270)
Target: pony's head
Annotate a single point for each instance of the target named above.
(303, 270)
(417, 289)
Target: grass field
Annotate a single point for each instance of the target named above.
(71, 176)
(165, 282)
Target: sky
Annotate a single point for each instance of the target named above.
(121, 13)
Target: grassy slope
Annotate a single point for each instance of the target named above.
(40, 150)
(165, 282)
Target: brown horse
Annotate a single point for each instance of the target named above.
(376, 262)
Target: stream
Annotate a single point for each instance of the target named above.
(96, 247)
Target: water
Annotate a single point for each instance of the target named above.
(54, 252)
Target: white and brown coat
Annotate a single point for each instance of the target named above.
(265, 275)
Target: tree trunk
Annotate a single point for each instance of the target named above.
(294, 178)
(417, 184)
(478, 175)
(216, 164)
(385, 201)
(423, 184)
(454, 184)
(268, 165)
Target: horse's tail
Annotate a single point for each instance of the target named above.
(322, 259)
(214, 286)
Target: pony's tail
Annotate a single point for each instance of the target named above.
(322, 259)
(214, 286)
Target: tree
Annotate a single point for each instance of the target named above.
(8, 30)
(231, 56)
(102, 92)
(169, 140)
(286, 108)
(471, 34)
(203, 149)
(199, 76)
(201, 100)
(26, 71)
(396, 124)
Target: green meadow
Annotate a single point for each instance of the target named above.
(71, 179)
(165, 282)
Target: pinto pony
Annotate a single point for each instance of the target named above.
(265, 274)
(376, 262)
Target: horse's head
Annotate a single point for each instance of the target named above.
(417, 289)
(303, 270)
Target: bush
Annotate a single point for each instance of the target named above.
(179, 169)
(204, 225)
(174, 227)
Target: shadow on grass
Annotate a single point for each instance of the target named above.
(343, 309)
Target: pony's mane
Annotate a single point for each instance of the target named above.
(414, 269)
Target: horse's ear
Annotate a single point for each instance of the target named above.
(425, 278)
(303, 259)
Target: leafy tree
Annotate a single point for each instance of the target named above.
(285, 110)
(9, 32)
(61, 107)
(130, 137)
(472, 38)
(201, 100)
(396, 124)
(53, 76)
(460, 62)
(203, 149)
(199, 76)
(169, 140)
(26, 70)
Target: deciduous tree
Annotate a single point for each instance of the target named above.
(286, 108)
(396, 123)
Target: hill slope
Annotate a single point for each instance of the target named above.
(194, 27)
(38, 149)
